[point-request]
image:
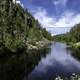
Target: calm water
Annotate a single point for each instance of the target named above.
(58, 62)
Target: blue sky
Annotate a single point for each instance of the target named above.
(57, 16)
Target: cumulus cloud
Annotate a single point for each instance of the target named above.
(68, 19)
(44, 19)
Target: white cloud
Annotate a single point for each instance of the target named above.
(14, 1)
(60, 5)
(68, 19)
(43, 18)
(19, 2)
(56, 3)
(60, 2)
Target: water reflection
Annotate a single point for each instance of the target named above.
(58, 62)
(76, 53)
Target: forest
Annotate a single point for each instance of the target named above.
(21, 36)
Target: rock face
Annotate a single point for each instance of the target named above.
(38, 45)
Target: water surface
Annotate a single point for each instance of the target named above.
(57, 62)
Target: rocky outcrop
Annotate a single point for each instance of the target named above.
(38, 45)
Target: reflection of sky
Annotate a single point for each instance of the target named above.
(58, 62)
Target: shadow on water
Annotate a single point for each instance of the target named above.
(15, 65)
(76, 53)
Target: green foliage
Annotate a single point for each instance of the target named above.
(12, 43)
(68, 38)
(35, 34)
(75, 32)
(46, 34)
(71, 37)
(17, 24)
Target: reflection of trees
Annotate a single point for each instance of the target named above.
(76, 53)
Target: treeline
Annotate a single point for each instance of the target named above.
(73, 36)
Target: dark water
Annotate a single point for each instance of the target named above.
(58, 62)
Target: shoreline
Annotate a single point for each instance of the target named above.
(38, 45)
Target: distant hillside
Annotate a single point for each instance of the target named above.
(71, 37)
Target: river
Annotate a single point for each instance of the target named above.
(58, 61)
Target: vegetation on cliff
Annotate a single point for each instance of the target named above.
(18, 31)
(17, 26)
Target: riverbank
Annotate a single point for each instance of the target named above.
(76, 45)
(23, 60)
(36, 45)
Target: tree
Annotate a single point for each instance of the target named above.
(75, 31)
